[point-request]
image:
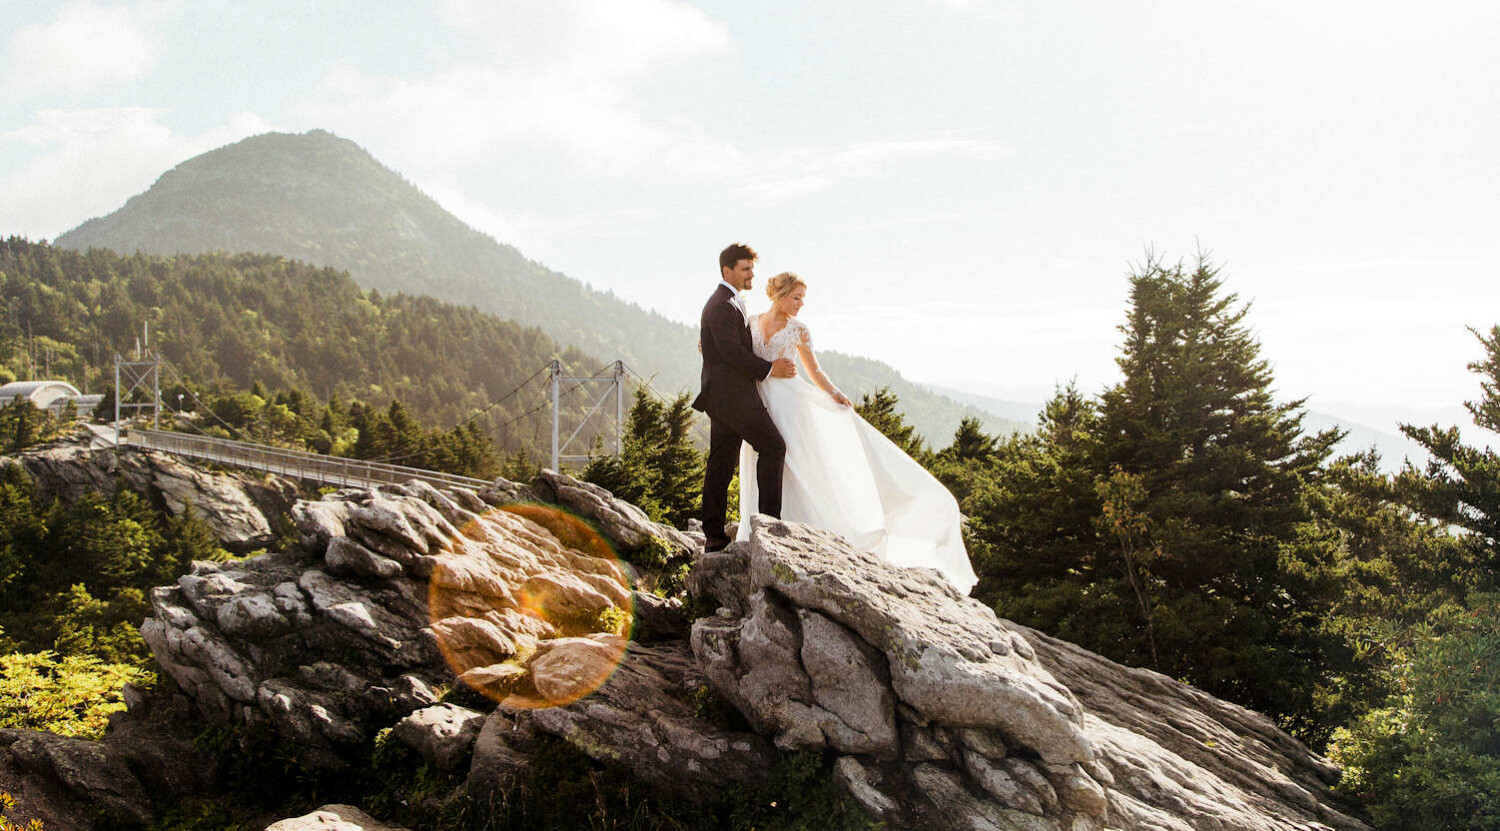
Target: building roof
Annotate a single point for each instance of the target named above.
(38, 390)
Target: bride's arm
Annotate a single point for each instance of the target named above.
(818, 376)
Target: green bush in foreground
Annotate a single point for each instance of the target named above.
(70, 696)
(1429, 760)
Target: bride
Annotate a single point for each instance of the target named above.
(841, 473)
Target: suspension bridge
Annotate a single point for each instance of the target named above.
(141, 379)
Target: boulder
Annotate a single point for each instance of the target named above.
(384, 600)
(333, 818)
(944, 716)
(625, 524)
(443, 734)
(146, 761)
(238, 507)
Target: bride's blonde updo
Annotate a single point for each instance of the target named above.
(783, 284)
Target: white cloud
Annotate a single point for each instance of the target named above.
(84, 47)
(555, 77)
(86, 163)
(558, 81)
(467, 114)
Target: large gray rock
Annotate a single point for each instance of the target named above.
(625, 524)
(238, 507)
(946, 717)
(442, 734)
(146, 761)
(94, 773)
(385, 599)
(333, 818)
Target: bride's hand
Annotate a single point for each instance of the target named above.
(842, 399)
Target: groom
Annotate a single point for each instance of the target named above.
(728, 395)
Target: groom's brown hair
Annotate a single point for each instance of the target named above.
(734, 253)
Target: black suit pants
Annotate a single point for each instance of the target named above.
(751, 425)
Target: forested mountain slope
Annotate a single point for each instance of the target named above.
(234, 320)
(323, 199)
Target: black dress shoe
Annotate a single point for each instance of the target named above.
(711, 546)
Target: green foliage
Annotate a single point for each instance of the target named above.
(520, 467)
(1429, 760)
(70, 696)
(23, 425)
(201, 815)
(228, 322)
(8, 802)
(658, 468)
(78, 576)
(879, 408)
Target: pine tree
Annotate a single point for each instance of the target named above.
(960, 465)
(658, 468)
(1460, 485)
(1167, 525)
(880, 410)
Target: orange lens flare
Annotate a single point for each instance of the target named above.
(532, 607)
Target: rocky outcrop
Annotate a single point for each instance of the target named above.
(623, 523)
(241, 509)
(938, 714)
(944, 716)
(401, 591)
(147, 759)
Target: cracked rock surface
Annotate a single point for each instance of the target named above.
(937, 713)
(944, 716)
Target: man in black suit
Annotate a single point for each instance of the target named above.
(729, 397)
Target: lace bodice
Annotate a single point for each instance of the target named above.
(784, 343)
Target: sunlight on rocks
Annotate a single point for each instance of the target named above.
(538, 623)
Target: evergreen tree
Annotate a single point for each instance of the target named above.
(1031, 530)
(1460, 485)
(880, 410)
(658, 468)
(967, 460)
(1429, 756)
(1167, 526)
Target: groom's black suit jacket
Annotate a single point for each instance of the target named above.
(730, 365)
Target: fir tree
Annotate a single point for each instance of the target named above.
(880, 410)
(1460, 485)
(1167, 525)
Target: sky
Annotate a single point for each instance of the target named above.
(964, 184)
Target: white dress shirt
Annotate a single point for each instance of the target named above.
(737, 300)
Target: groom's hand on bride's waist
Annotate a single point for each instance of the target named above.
(783, 368)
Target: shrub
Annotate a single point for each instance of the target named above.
(70, 696)
(1430, 758)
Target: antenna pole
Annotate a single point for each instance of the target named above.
(556, 382)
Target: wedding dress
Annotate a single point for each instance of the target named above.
(845, 476)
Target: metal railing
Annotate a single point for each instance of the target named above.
(297, 464)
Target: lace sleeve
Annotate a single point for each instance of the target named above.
(804, 335)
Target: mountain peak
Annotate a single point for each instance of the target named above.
(323, 199)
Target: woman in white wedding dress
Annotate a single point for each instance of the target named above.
(841, 473)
